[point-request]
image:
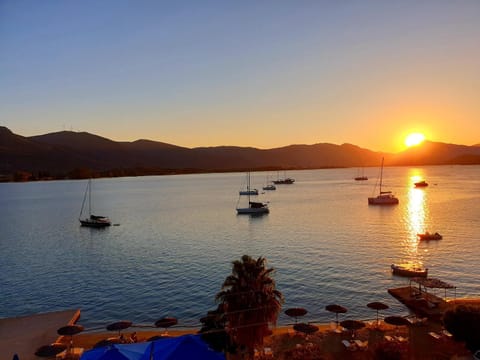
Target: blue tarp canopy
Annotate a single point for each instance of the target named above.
(138, 351)
(177, 348)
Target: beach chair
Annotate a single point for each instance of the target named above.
(348, 345)
(267, 351)
(401, 339)
(73, 354)
(362, 345)
(388, 338)
(335, 327)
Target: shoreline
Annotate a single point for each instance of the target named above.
(23, 335)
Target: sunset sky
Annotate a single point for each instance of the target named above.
(248, 73)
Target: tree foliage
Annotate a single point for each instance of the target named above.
(251, 301)
(463, 322)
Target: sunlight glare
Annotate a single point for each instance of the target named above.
(414, 139)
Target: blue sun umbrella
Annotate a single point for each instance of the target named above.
(137, 351)
(185, 347)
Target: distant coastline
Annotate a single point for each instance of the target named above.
(79, 155)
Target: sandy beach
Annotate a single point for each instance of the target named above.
(23, 335)
(285, 343)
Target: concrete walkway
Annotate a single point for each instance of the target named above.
(23, 335)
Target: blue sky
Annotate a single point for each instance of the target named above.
(247, 73)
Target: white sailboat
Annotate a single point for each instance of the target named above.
(248, 191)
(253, 207)
(269, 185)
(384, 197)
(91, 220)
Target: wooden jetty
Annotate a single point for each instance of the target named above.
(421, 302)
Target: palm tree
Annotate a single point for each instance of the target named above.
(251, 302)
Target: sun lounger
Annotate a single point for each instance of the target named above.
(388, 338)
(362, 345)
(74, 353)
(348, 345)
(446, 333)
(268, 351)
(335, 327)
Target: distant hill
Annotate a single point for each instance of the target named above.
(437, 153)
(79, 154)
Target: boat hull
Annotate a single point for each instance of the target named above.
(435, 236)
(420, 184)
(248, 192)
(383, 200)
(254, 208)
(408, 271)
(247, 211)
(95, 223)
(287, 181)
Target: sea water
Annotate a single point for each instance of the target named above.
(176, 237)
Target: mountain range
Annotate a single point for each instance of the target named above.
(68, 154)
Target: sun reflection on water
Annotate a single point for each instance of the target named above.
(416, 216)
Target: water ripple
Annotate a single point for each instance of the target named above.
(179, 234)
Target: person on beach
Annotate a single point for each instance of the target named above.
(133, 337)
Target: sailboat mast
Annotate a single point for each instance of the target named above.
(248, 187)
(89, 197)
(381, 176)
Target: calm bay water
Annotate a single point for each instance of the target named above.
(178, 235)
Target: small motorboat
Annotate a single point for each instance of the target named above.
(409, 270)
(429, 236)
(422, 183)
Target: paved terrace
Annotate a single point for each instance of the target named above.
(23, 335)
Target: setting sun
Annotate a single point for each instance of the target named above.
(414, 139)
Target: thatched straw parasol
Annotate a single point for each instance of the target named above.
(295, 312)
(337, 309)
(377, 305)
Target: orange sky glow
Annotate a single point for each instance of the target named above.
(258, 74)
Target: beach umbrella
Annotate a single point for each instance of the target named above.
(70, 330)
(136, 351)
(119, 326)
(305, 328)
(50, 350)
(352, 325)
(184, 347)
(377, 305)
(107, 342)
(295, 312)
(166, 322)
(337, 309)
(397, 321)
(158, 337)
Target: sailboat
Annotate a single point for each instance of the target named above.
(384, 197)
(269, 186)
(254, 207)
(285, 180)
(248, 191)
(91, 220)
(360, 177)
